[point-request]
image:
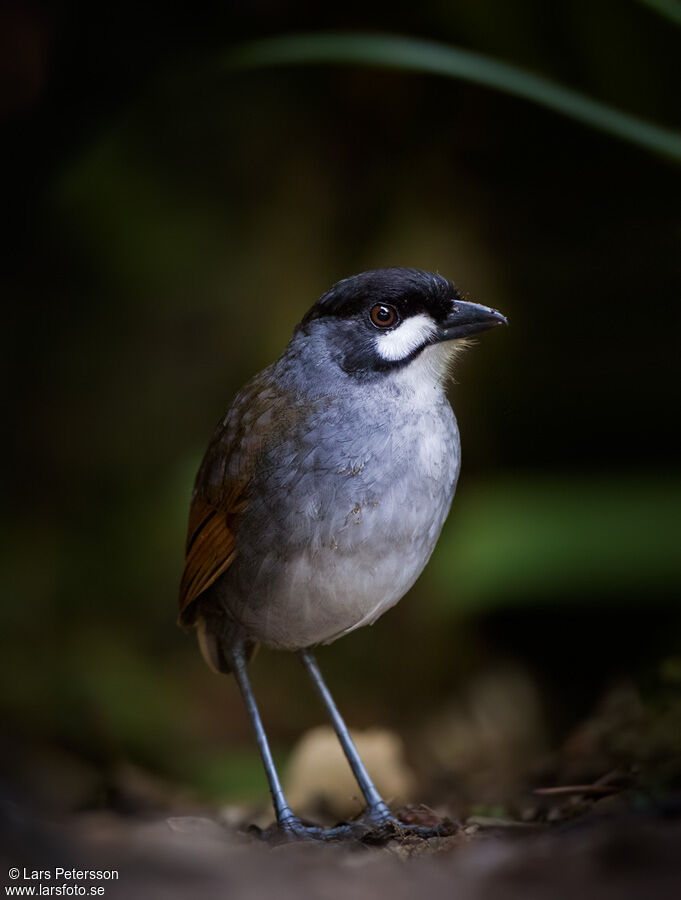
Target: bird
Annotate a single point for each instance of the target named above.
(324, 490)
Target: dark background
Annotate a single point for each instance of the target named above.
(168, 221)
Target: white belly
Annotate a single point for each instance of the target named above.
(323, 595)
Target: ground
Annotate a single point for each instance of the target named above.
(600, 854)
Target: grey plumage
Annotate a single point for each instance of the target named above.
(324, 489)
(345, 506)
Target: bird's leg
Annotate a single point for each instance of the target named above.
(287, 821)
(377, 812)
(237, 661)
(377, 809)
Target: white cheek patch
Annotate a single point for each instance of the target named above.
(413, 333)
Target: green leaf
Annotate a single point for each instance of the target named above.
(670, 9)
(414, 55)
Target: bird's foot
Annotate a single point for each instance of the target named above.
(378, 825)
(291, 828)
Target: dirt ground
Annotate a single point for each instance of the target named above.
(599, 854)
(600, 818)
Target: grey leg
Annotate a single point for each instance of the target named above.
(377, 809)
(288, 822)
(237, 661)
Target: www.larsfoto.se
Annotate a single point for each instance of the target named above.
(54, 890)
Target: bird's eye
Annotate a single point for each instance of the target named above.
(383, 315)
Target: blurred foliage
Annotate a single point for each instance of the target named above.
(172, 220)
(395, 52)
(669, 8)
(548, 540)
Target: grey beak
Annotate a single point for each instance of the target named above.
(470, 318)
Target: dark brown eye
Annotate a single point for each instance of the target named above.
(383, 316)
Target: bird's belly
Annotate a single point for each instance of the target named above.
(344, 556)
(320, 596)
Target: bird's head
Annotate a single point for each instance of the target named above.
(384, 320)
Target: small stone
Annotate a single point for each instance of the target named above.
(318, 776)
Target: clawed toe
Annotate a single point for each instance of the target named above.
(377, 826)
(294, 829)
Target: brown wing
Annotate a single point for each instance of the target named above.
(220, 495)
(259, 414)
(210, 548)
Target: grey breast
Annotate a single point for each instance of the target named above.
(345, 509)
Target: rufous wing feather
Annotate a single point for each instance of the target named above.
(210, 551)
(222, 484)
(213, 522)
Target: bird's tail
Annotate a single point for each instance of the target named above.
(214, 644)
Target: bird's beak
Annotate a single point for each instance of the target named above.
(467, 319)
